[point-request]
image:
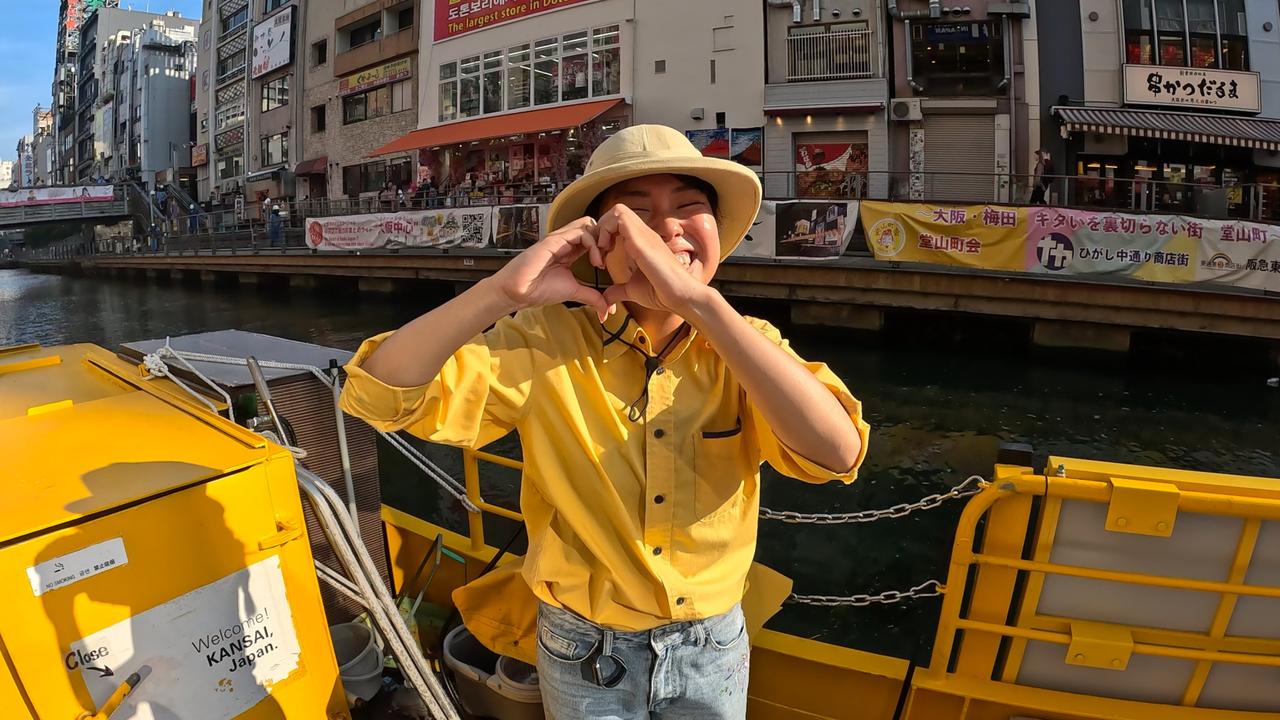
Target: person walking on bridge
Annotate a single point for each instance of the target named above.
(644, 413)
(1043, 177)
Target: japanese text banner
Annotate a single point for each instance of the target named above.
(972, 236)
(1058, 241)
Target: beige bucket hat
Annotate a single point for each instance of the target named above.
(657, 149)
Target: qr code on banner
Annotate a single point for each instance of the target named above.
(472, 232)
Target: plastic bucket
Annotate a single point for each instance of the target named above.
(482, 688)
(359, 659)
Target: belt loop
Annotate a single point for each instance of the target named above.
(701, 632)
(607, 645)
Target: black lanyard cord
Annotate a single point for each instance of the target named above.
(651, 364)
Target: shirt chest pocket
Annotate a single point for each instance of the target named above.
(723, 476)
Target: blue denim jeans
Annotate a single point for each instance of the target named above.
(694, 670)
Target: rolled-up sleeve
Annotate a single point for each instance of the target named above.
(478, 396)
(775, 452)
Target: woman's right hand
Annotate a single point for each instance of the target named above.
(542, 274)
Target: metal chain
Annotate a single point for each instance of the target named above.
(930, 588)
(971, 486)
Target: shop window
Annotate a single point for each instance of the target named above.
(1169, 32)
(958, 58)
(399, 172)
(606, 72)
(275, 94)
(519, 75)
(275, 149)
(575, 66)
(469, 87)
(230, 166)
(364, 178)
(449, 91)
(377, 102)
(318, 118)
(492, 82)
(365, 34)
(546, 72)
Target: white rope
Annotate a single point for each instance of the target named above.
(423, 463)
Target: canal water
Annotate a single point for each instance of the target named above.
(940, 395)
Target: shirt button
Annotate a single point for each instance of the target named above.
(661, 370)
(657, 551)
(679, 601)
(659, 433)
(658, 499)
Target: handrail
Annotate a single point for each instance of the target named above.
(1205, 648)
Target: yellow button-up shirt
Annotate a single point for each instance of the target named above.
(631, 524)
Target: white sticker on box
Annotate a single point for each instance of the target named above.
(76, 566)
(210, 654)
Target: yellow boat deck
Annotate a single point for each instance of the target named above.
(1090, 590)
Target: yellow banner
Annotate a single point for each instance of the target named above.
(375, 76)
(978, 236)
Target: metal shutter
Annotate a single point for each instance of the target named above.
(959, 157)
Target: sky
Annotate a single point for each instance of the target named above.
(28, 33)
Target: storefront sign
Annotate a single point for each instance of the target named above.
(375, 76)
(200, 155)
(55, 195)
(1191, 88)
(273, 43)
(459, 17)
(1158, 248)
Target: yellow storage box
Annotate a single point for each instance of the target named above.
(140, 533)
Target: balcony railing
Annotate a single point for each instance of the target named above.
(831, 56)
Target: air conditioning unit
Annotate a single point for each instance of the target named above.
(905, 109)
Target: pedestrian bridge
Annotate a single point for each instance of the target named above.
(30, 207)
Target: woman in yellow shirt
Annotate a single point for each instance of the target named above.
(644, 415)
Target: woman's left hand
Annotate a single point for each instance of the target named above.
(659, 281)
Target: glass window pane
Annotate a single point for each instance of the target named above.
(518, 54)
(1172, 51)
(493, 92)
(1203, 51)
(1235, 53)
(1169, 16)
(470, 66)
(518, 77)
(1202, 16)
(1137, 14)
(1232, 17)
(493, 60)
(448, 101)
(469, 97)
(606, 72)
(449, 71)
(573, 74)
(546, 48)
(575, 42)
(1138, 49)
(546, 87)
(605, 36)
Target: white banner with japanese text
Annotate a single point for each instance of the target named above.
(54, 195)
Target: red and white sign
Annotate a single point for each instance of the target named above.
(55, 195)
(459, 17)
(443, 228)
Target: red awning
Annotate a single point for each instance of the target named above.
(532, 121)
(314, 166)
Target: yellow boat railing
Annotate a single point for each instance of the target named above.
(990, 573)
(471, 478)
